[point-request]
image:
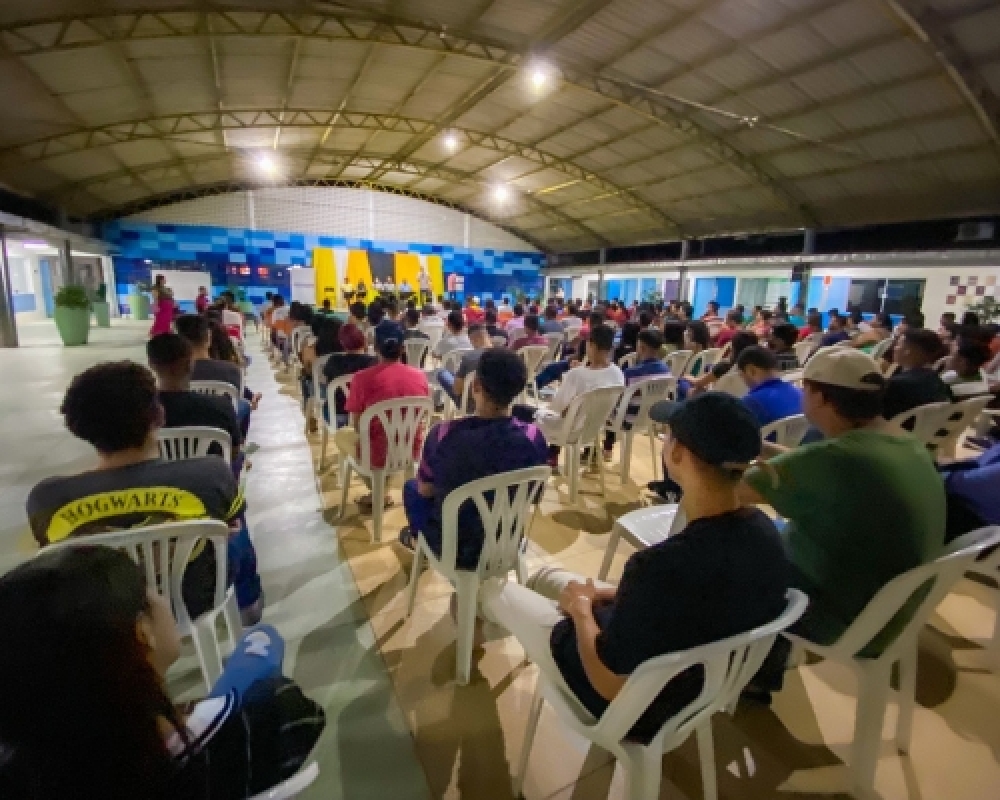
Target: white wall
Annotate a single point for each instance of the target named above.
(580, 282)
(352, 213)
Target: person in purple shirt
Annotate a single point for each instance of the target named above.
(465, 450)
(971, 490)
(770, 398)
(647, 365)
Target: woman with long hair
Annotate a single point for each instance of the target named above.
(86, 713)
(326, 331)
(162, 306)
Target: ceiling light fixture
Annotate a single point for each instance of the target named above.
(451, 142)
(267, 164)
(501, 194)
(36, 246)
(539, 77)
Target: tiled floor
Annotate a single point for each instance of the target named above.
(401, 728)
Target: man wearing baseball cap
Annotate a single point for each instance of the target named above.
(724, 574)
(864, 505)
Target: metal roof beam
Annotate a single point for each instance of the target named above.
(933, 31)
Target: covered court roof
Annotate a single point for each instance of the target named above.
(575, 123)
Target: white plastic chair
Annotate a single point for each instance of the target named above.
(677, 361)
(937, 579)
(416, 351)
(989, 567)
(177, 444)
(533, 356)
(293, 787)
(314, 405)
(434, 334)
(883, 347)
(628, 361)
(499, 341)
(728, 665)
(642, 394)
(465, 409)
(505, 504)
(343, 385)
(163, 551)
(581, 427)
(295, 343)
(803, 350)
(643, 528)
(940, 425)
(218, 388)
(787, 432)
(702, 362)
(402, 421)
(451, 362)
(556, 341)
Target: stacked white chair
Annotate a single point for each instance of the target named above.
(402, 421)
(218, 388)
(728, 665)
(581, 427)
(934, 580)
(787, 432)
(505, 504)
(643, 395)
(178, 444)
(163, 551)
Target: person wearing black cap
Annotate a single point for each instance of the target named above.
(724, 574)
(464, 450)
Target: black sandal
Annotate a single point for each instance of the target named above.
(408, 538)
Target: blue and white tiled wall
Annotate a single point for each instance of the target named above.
(257, 260)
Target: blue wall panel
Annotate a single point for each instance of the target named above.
(258, 261)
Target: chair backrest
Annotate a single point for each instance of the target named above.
(803, 350)
(574, 323)
(935, 579)
(319, 381)
(555, 344)
(533, 355)
(465, 408)
(416, 351)
(642, 395)
(434, 334)
(218, 388)
(787, 432)
(499, 341)
(163, 551)
(342, 385)
(293, 787)
(628, 361)
(402, 420)
(453, 359)
(504, 502)
(793, 376)
(588, 413)
(177, 444)
(938, 425)
(731, 383)
(295, 344)
(882, 348)
(729, 664)
(677, 361)
(702, 362)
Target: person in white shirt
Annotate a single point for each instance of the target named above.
(424, 281)
(378, 286)
(454, 337)
(599, 373)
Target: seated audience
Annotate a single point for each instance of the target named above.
(711, 314)
(697, 337)
(673, 337)
(724, 370)
(531, 335)
(864, 505)
(169, 357)
(673, 596)
(629, 342)
(516, 321)
(647, 365)
(551, 323)
(454, 337)
(600, 372)
(467, 449)
(763, 320)
(490, 319)
(915, 383)
(732, 325)
(836, 333)
(411, 323)
(769, 397)
(454, 385)
(87, 644)
(971, 490)
(132, 486)
(358, 316)
(327, 342)
(782, 344)
(965, 367)
(353, 358)
(389, 379)
(385, 320)
(879, 330)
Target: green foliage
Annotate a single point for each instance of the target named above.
(988, 310)
(72, 297)
(653, 296)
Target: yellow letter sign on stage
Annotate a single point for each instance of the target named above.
(325, 276)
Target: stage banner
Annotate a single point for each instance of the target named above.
(325, 276)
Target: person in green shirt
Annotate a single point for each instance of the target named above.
(863, 505)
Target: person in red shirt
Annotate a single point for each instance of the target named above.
(814, 326)
(532, 334)
(474, 315)
(734, 324)
(202, 301)
(387, 380)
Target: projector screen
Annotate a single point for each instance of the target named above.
(183, 283)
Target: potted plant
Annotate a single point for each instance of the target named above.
(138, 300)
(72, 315)
(102, 308)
